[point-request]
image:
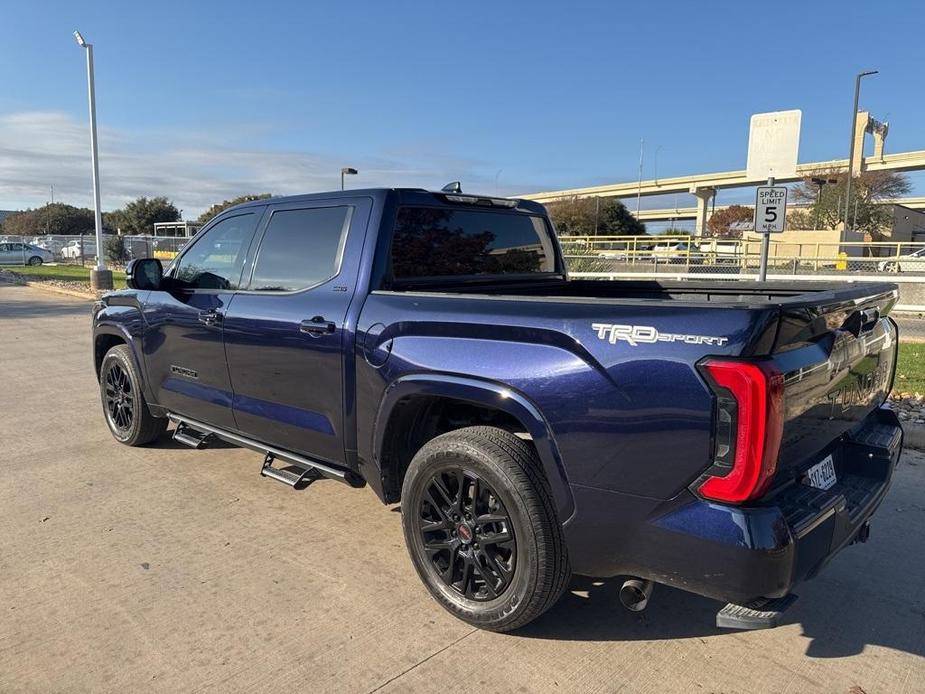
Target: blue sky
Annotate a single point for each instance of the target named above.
(201, 101)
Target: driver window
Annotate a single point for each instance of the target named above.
(216, 259)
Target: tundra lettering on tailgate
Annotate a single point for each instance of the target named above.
(647, 335)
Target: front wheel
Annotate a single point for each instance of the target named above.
(481, 527)
(124, 406)
(35, 260)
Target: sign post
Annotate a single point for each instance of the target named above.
(770, 215)
(773, 146)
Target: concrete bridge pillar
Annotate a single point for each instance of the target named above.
(703, 195)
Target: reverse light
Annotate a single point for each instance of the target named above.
(749, 427)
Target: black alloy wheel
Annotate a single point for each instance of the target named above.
(117, 393)
(467, 534)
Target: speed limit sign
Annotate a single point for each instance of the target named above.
(770, 209)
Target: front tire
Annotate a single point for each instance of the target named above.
(481, 528)
(35, 260)
(127, 414)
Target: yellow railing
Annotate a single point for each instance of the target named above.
(646, 247)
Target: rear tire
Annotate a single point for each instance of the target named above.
(127, 414)
(35, 260)
(482, 530)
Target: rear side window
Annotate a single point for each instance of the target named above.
(441, 242)
(301, 248)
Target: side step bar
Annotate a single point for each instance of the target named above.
(190, 437)
(760, 614)
(293, 479)
(203, 431)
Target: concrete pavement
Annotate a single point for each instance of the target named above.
(169, 569)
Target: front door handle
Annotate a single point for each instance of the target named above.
(317, 326)
(211, 317)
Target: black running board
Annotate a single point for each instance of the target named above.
(270, 453)
(760, 614)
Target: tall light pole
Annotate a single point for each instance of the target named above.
(346, 171)
(854, 126)
(642, 151)
(100, 277)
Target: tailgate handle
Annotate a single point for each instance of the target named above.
(861, 321)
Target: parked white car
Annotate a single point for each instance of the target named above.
(904, 263)
(74, 249)
(16, 253)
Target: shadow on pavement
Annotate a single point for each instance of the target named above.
(591, 611)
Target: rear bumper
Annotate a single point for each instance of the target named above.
(732, 553)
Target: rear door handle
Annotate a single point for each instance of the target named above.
(212, 317)
(317, 326)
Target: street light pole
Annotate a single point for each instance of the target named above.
(854, 126)
(642, 149)
(347, 170)
(100, 278)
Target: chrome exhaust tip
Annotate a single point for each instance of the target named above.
(635, 594)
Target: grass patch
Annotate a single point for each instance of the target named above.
(910, 369)
(62, 273)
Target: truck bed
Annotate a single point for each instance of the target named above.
(739, 293)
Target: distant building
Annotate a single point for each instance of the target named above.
(176, 229)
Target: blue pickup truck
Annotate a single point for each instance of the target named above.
(725, 438)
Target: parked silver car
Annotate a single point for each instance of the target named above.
(16, 253)
(911, 262)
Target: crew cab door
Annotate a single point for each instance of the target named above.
(285, 334)
(184, 355)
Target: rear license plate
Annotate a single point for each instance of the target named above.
(822, 475)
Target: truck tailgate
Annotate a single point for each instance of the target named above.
(837, 363)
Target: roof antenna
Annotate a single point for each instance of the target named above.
(454, 187)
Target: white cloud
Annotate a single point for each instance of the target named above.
(40, 149)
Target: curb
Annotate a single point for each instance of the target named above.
(45, 287)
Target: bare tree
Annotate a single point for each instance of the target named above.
(866, 211)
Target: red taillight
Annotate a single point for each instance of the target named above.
(753, 394)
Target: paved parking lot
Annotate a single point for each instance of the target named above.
(169, 569)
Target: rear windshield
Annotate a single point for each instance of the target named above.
(441, 242)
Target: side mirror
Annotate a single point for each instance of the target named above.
(144, 273)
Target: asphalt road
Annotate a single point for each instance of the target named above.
(169, 569)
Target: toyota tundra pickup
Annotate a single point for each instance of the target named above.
(725, 438)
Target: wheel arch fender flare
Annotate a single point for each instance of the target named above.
(122, 333)
(488, 394)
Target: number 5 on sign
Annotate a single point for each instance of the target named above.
(770, 209)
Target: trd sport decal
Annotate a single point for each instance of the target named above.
(646, 335)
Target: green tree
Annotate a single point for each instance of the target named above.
(866, 211)
(225, 204)
(58, 218)
(577, 216)
(721, 220)
(139, 216)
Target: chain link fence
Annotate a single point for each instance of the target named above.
(81, 250)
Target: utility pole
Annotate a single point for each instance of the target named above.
(854, 126)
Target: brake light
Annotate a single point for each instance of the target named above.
(749, 426)
(482, 202)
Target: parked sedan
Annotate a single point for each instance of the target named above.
(16, 253)
(905, 263)
(76, 249)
